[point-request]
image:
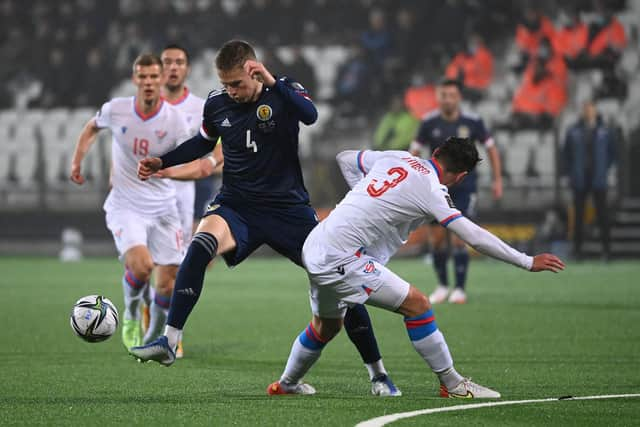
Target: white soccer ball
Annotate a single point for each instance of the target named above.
(94, 318)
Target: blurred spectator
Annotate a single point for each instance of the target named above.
(353, 82)
(607, 38)
(530, 31)
(376, 40)
(550, 59)
(420, 98)
(538, 100)
(396, 129)
(589, 152)
(302, 71)
(473, 67)
(570, 40)
(607, 41)
(93, 91)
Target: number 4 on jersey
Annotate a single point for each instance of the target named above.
(251, 144)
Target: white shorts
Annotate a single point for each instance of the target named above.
(359, 280)
(161, 235)
(186, 196)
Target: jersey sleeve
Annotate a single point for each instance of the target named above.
(103, 116)
(208, 130)
(483, 135)
(183, 132)
(355, 165)
(438, 204)
(298, 100)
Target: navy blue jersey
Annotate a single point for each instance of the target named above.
(434, 130)
(260, 143)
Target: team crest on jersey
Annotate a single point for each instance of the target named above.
(264, 112)
(124, 130)
(212, 208)
(161, 133)
(463, 132)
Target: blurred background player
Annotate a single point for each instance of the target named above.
(435, 128)
(345, 256)
(142, 217)
(263, 199)
(589, 152)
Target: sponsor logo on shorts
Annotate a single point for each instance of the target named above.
(370, 268)
(340, 270)
(212, 208)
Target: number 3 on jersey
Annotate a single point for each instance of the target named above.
(400, 175)
(251, 144)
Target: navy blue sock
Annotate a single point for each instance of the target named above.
(190, 278)
(440, 258)
(461, 263)
(358, 326)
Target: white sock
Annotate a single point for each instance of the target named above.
(132, 299)
(300, 361)
(157, 319)
(375, 369)
(148, 294)
(434, 350)
(173, 335)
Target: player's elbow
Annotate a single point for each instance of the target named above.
(310, 118)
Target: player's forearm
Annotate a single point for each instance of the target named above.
(496, 163)
(188, 151)
(488, 244)
(302, 105)
(85, 141)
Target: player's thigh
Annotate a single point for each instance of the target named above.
(128, 229)
(287, 229)
(165, 240)
(219, 228)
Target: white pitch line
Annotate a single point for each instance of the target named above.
(387, 419)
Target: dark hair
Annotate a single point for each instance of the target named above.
(178, 47)
(234, 53)
(146, 59)
(451, 82)
(458, 155)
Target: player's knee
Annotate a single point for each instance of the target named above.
(141, 269)
(415, 303)
(327, 328)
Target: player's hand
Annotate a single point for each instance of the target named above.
(162, 173)
(76, 176)
(258, 71)
(496, 188)
(148, 166)
(547, 262)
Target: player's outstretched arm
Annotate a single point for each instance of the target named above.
(85, 141)
(197, 169)
(485, 242)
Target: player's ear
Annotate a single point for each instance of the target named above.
(460, 176)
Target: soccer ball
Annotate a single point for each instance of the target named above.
(94, 318)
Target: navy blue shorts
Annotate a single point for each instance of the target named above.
(284, 229)
(205, 192)
(465, 201)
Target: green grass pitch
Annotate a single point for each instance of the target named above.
(527, 335)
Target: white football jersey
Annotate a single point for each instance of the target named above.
(396, 193)
(136, 136)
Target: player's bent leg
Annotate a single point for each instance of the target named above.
(305, 351)
(213, 237)
(139, 266)
(429, 342)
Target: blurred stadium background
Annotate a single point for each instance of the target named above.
(63, 59)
